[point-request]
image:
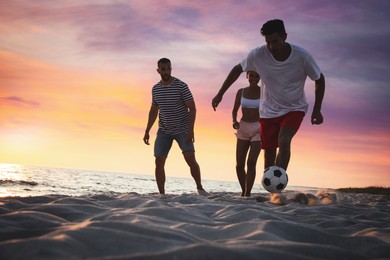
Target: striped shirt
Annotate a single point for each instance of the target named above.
(173, 113)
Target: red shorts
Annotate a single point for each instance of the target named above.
(270, 127)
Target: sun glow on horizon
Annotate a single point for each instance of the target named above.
(10, 171)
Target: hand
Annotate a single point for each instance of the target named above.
(236, 125)
(317, 118)
(216, 100)
(146, 138)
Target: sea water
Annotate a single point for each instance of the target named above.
(18, 180)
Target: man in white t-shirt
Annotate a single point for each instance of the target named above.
(283, 68)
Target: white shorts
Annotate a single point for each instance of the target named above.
(249, 131)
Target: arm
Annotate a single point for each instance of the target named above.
(192, 110)
(151, 119)
(316, 116)
(231, 78)
(237, 103)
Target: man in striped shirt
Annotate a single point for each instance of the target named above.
(172, 101)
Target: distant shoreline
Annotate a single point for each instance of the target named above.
(369, 190)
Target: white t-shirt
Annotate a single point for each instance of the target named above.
(283, 89)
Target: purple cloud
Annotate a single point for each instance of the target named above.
(20, 100)
(349, 39)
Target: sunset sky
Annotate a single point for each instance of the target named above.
(76, 79)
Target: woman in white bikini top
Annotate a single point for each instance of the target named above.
(249, 103)
(249, 99)
(248, 132)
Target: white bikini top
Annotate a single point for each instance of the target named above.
(249, 103)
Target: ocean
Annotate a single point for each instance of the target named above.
(23, 181)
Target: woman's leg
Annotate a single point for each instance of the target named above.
(242, 148)
(254, 151)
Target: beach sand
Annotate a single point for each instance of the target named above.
(221, 226)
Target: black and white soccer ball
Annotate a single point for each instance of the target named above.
(274, 179)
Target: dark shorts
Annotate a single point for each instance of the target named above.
(164, 141)
(270, 127)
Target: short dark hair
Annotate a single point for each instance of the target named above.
(163, 60)
(273, 26)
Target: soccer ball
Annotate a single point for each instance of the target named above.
(274, 179)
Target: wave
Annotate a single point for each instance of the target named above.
(18, 182)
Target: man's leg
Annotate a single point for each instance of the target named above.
(269, 139)
(160, 173)
(288, 128)
(162, 145)
(269, 157)
(194, 167)
(285, 137)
